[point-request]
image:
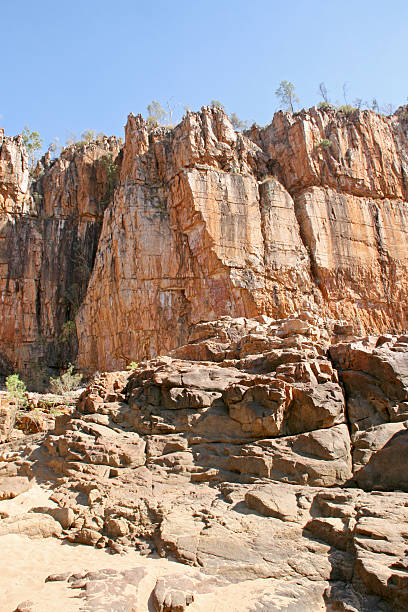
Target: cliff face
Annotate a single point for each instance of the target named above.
(307, 213)
(49, 230)
(207, 222)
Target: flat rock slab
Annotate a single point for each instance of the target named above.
(33, 525)
(116, 591)
(12, 486)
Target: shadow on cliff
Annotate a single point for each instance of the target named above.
(385, 469)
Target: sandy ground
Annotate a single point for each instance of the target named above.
(25, 563)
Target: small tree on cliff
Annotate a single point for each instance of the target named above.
(217, 104)
(237, 123)
(32, 143)
(88, 136)
(156, 114)
(287, 95)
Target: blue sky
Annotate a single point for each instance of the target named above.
(68, 66)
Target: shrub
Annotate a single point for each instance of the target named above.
(347, 109)
(132, 365)
(325, 143)
(67, 332)
(17, 397)
(325, 106)
(16, 390)
(68, 381)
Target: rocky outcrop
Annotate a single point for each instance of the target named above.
(49, 230)
(375, 377)
(259, 451)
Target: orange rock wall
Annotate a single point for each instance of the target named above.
(206, 222)
(49, 230)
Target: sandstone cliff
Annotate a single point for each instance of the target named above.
(49, 229)
(309, 213)
(208, 222)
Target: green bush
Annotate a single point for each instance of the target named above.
(68, 381)
(17, 397)
(347, 109)
(67, 332)
(16, 390)
(112, 168)
(325, 106)
(325, 143)
(132, 365)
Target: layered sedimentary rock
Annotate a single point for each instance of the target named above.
(207, 222)
(264, 454)
(308, 212)
(48, 235)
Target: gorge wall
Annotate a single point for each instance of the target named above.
(308, 213)
(49, 229)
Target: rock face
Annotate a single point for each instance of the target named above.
(308, 212)
(208, 222)
(375, 377)
(48, 239)
(264, 453)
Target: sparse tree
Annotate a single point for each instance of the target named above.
(171, 109)
(237, 123)
(287, 95)
(358, 103)
(53, 147)
(345, 94)
(374, 106)
(88, 136)
(387, 109)
(32, 143)
(71, 140)
(217, 104)
(156, 113)
(323, 93)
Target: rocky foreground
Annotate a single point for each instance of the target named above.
(266, 457)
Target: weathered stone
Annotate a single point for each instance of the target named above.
(377, 457)
(273, 501)
(12, 486)
(376, 381)
(32, 525)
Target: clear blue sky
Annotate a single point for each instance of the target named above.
(73, 65)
